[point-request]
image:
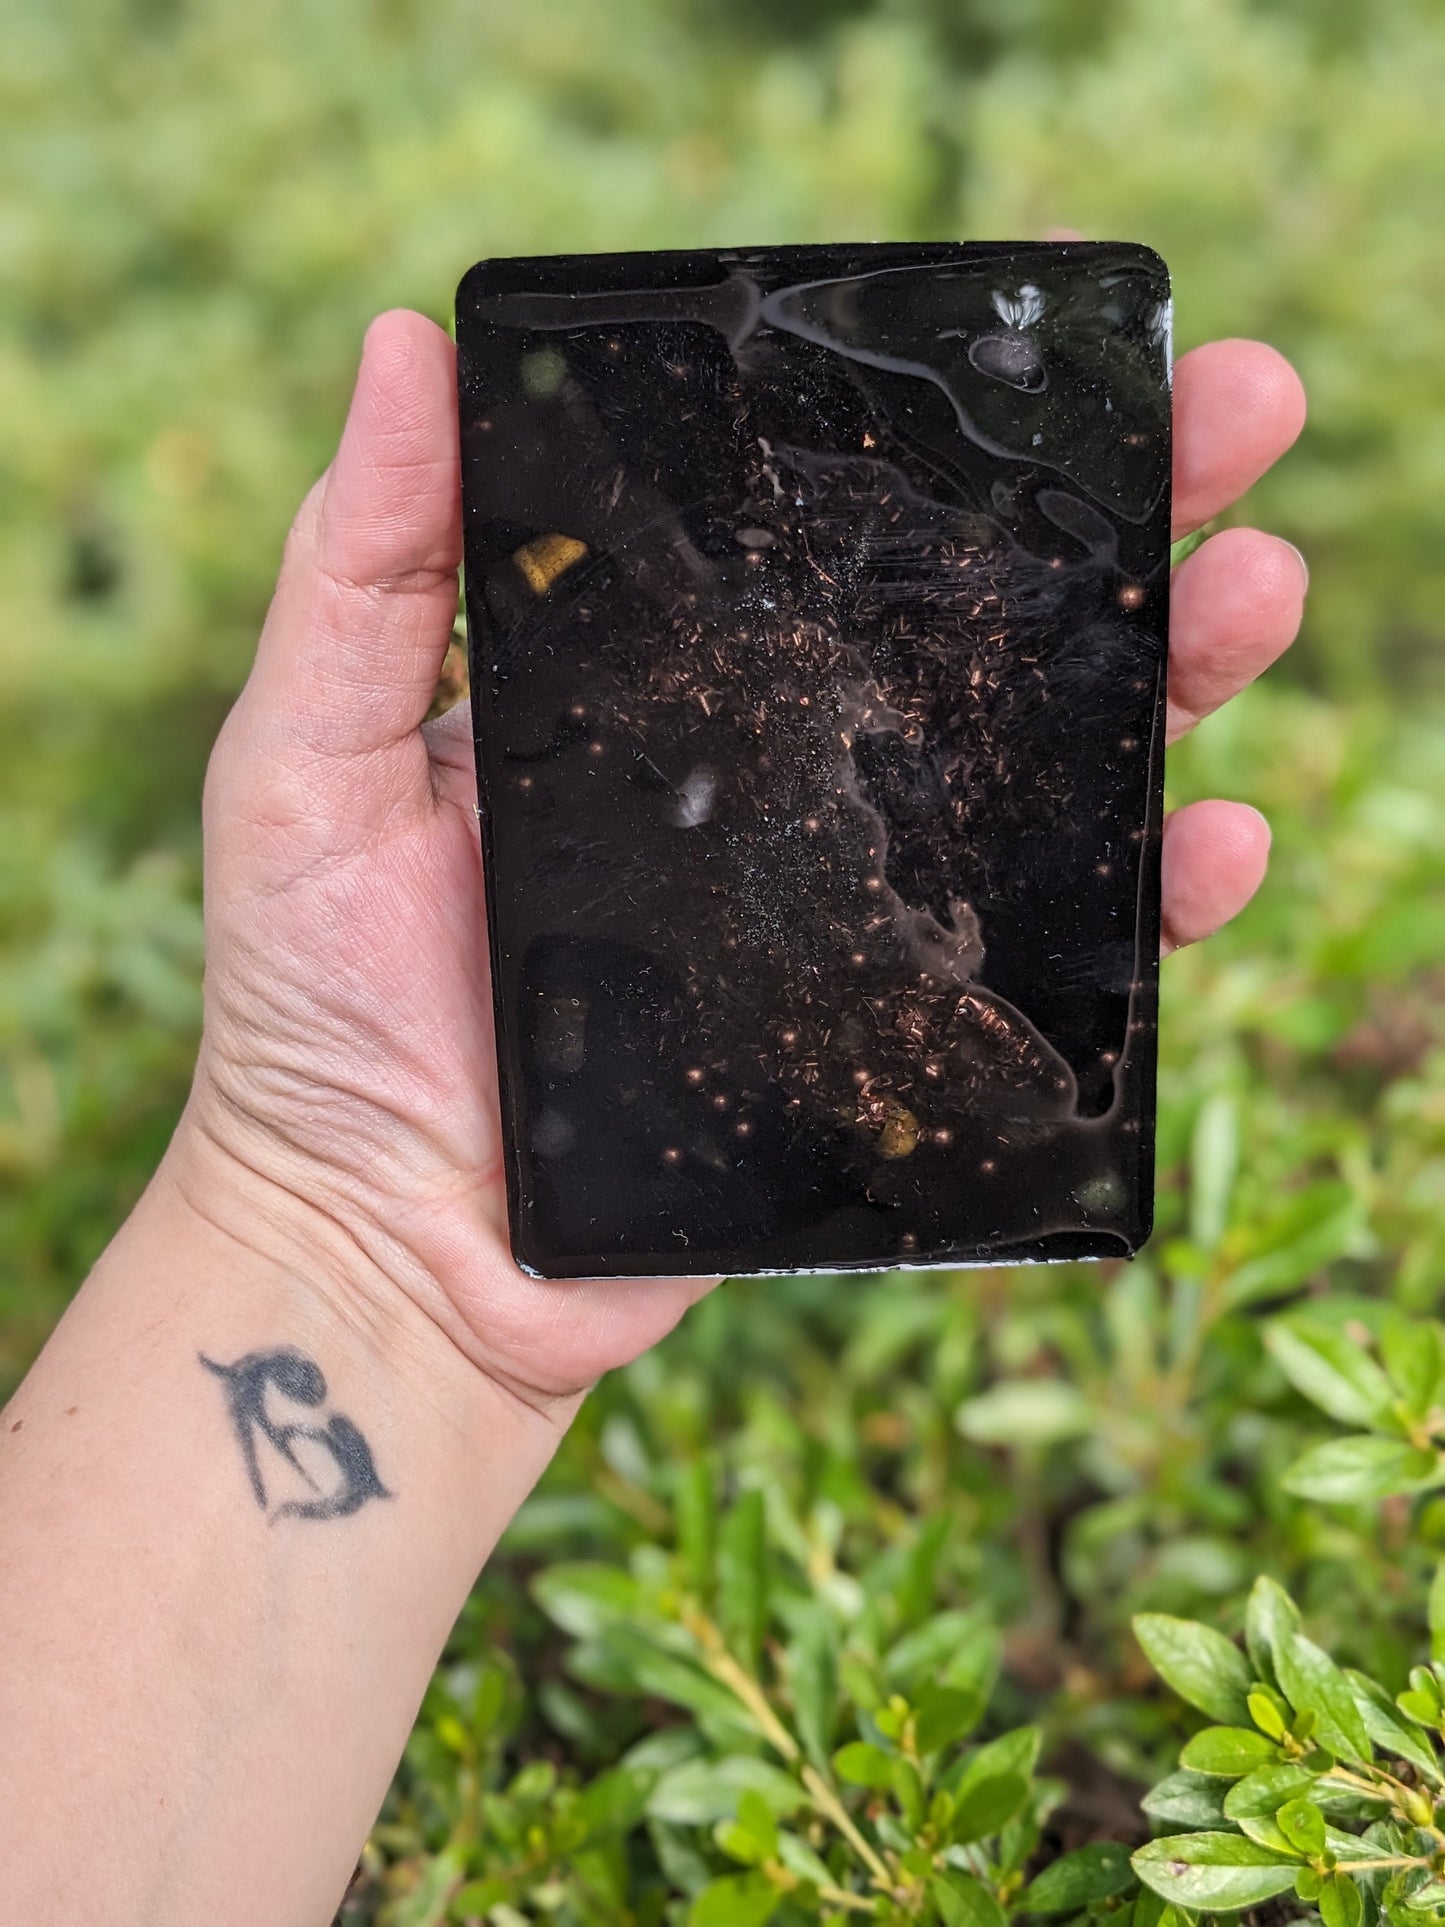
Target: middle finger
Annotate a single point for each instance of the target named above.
(1235, 605)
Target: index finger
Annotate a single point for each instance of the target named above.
(1238, 405)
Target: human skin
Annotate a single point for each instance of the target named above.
(249, 1482)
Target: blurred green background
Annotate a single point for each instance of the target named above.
(203, 204)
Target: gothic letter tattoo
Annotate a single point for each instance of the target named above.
(295, 1377)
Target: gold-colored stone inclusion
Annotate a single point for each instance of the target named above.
(547, 557)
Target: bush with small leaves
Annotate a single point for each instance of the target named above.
(1315, 1782)
(1388, 1385)
(793, 1576)
(820, 1756)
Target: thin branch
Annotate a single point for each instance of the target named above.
(828, 1803)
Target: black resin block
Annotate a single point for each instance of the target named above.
(817, 602)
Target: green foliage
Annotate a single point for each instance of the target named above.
(846, 1574)
(1348, 1814)
(1200, 1664)
(731, 1800)
(190, 261)
(1401, 1400)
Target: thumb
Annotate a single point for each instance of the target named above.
(354, 640)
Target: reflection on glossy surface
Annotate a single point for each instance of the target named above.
(817, 601)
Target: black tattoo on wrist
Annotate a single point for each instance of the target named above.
(295, 1377)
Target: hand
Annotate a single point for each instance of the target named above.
(346, 1076)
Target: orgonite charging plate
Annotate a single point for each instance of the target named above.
(817, 601)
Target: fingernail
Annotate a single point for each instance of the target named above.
(1304, 566)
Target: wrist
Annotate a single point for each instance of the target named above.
(343, 1269)
(247, 1488)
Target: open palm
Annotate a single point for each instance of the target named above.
(347, 1065)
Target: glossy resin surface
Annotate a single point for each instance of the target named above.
(817, 602)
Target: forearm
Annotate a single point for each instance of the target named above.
(215, 1629)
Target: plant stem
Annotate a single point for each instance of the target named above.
(731, 1673)
(840, 1897)
(1373, 1866)
(828, 1803)
(1346, 1778)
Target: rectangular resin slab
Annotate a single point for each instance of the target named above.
(817, 602)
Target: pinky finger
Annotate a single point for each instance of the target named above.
(1214, 860)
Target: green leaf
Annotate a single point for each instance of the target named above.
(1018, 1841)
(951, 1649)
(1317, 1225)
(1026, 1411)
(682, 1864)
(1331, 1370)
(1265, 1830)
(584, 1598)
(755, 1818)
(477, 1898)
(1389, 1732)
(1422, 1702)
(488, 1700)
(1213, 1161)
(615, 1801)
(812, 1668)
(1339, 1902)
(986, 1806)
(1186, 545)
(858, 1678)
(1418, 1707)
(742, 1580)
(1353, 1847)
(1303, 1825)
(1095, 1872)
(430, 1901)
(1269, 1616)
(534, 1782)
(1269, 1711)
(892, 1718)
(1229, 1752)
(963, 1901)
(1201, 1665)
(737, 1900)
(945, 1714)
(915, 1587)
(627, 1660)
(1222, 1872)
(737, 1843)
(695, 1509)
(1148, 1910)
(1013, 1752)
(1437, 1613)
(1411, 1349)
(800, 1859)
(663, 1748)
(907, 1786)
(1187, 1799)
(1310, 1680)
(1425, 1679)
(862, 1764)
(1348, 1471)
(700, 1792)
(1261, 1794)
